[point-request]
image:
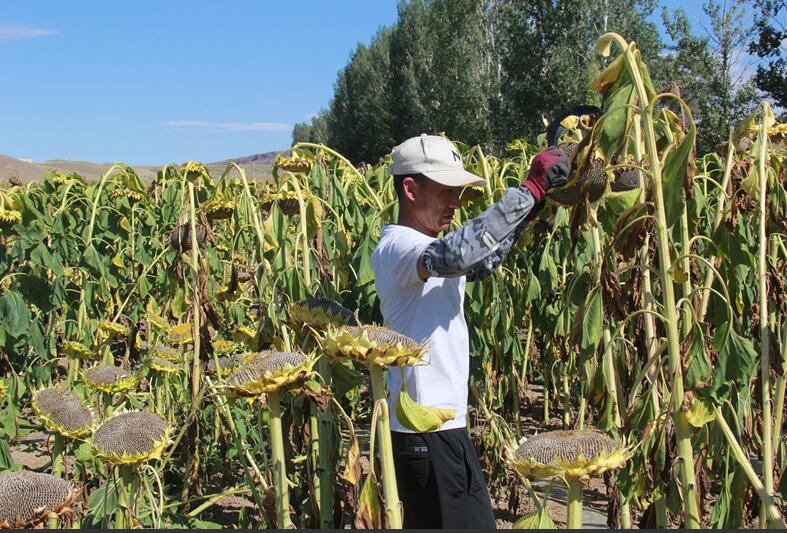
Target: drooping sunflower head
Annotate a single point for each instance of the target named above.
(113, 328)
(321, 312)
(157, 321)
(572, 453)
(625, 179)
(223, 346)
(180, 334)
(286, 200)
(180, 237)
(269, 371)
(77, 350)
(27, 499)
(374, 345)
(227, 363)
(293, 164)
(167, 353)
(131, 438)
(163, 366)
(219, 208)
(246, 335)
(9, 217)
(109, 379)
(61, 412)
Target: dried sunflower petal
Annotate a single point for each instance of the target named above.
(321, 312)
(62, 412)
(131, 438)
(269, 371)
(109, 379)
(29, 498)
(77, 350)
(374, 345)
(572, 453)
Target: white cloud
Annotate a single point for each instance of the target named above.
(16, 33)
(183, 125)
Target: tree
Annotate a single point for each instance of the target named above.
(359, 121)
(767, 44)
(709, 69)
(547, 55)
(301, 132)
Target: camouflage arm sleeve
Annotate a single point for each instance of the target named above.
(478, 247)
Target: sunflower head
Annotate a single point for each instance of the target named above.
(219, 208)
(61, 412)
(157, 321)
(572, 453)
(293, 164)
(180, 334)
(113, 328)
(109, 379)
(320, 312)
(374, 345)
(286, 200)
(161, 365)
(28, 499)
(131, 438)
(226, 364)
(77, 350)
(223, 346)
(9, 217)
(165, 352)
(269, 371)
(246, 335)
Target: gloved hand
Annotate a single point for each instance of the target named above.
(549, 168)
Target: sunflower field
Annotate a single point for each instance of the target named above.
(206, 351)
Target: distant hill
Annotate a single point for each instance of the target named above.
(256, 166)
(256, 159)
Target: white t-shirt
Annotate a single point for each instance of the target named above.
(431, 310)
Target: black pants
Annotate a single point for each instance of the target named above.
(440, 481)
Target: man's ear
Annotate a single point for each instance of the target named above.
(410, 188)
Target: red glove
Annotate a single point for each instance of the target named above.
(548, 169)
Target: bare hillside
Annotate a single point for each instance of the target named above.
(256, 166)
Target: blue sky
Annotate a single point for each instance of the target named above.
(150, 82)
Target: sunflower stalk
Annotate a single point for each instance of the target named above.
(765, 360)
(280, 486)
(393, 506)
(688, 482)
(574, 507)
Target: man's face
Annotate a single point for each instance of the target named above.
(435, 204)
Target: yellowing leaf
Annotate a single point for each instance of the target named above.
(700, 413)
(539, 519)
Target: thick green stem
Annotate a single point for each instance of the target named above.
(393, 506)
(574, 519)
(314, 456)
(57, 466)
(682, 430)
(280, 486)
(765, 359)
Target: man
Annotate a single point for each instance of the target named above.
(420, 280)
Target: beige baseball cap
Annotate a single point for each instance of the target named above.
(435, 157)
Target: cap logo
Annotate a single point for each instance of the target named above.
(456, 156)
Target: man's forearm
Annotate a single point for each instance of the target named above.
(478, 247)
